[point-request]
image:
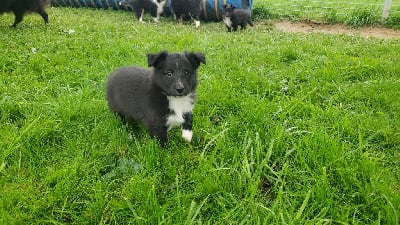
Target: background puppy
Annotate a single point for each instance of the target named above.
(160, 98)
(187, 8)
(234, 17)
(155, 7)
(20, 7)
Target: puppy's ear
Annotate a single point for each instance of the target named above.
(225, 5)
(233, 7)
(154, 59)
(195, 59)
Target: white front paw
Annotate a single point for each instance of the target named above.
(197, 23)
(187, 135)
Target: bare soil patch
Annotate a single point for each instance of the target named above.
(309, 27)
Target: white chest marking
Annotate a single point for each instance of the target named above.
(179, 106)
(160, 6)
(160, 9)
(228, 21)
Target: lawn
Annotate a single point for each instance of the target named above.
(355, 13)
(289, 128)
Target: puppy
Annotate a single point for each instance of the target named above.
(159, 98)
(234, 17)
(20, 7)
(155, 7)
(187, 8)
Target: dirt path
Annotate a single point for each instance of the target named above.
(308, 27)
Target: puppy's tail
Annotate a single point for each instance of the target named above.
(251, 23)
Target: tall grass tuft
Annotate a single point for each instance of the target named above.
(362, 17)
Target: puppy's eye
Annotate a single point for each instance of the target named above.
(169, 74)
(187, 73)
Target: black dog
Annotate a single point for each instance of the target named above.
(155, 7)
(160, 98)
(20, 7)
(187, 8)
(234, 17)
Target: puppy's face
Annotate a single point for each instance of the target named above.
(228, 10)
(176, 73)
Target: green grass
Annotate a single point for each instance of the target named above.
(289, 128)
(355, 13)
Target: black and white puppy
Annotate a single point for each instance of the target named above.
(187, 8)
(160, 98)
(20, 7)
(234, 17)
(155, 7)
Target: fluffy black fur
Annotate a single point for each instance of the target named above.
(234, 17)
(155, 7)
(20, 7)
(187, 8)
(159, 98)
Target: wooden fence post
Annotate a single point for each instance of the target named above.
(386, 8)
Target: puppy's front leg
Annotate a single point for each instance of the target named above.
(159, 132)
(187, 131)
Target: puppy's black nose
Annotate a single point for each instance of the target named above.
(180, 90)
